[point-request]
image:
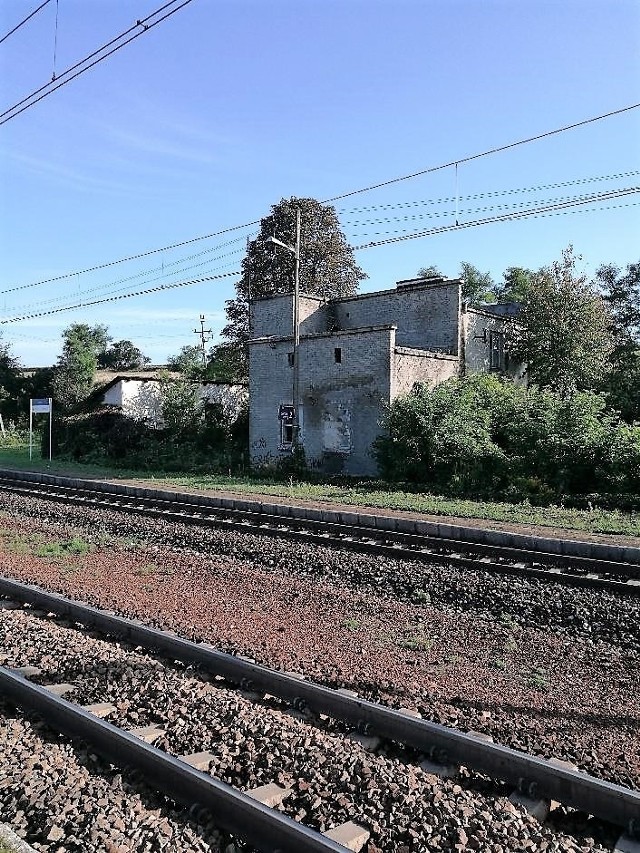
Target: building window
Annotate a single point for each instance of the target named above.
(496, 350)
(290, 359)
(285, 417)
(337, 355)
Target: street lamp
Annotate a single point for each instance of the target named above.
(295, 250)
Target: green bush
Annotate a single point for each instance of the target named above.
(486, 436)
(214, 443)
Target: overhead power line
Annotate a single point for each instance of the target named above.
(497, 150)
(117, 298)
(326, 201)
(505, 217)
(490, 194)
(102, 53)
(24, 21)
(547, 210)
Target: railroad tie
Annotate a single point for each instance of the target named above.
(60, 689)
(100, 709)
(148, 734)
(27, 671)
(350, 835)
(269, 795)
(198, 760)
(540, 807)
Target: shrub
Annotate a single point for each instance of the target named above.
(486, 436)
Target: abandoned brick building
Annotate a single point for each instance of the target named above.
(355, 356)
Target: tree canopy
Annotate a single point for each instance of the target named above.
(327, 266)
(122, 355)
(76, 366)
(563, 333)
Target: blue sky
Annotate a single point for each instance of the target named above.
(205, 121)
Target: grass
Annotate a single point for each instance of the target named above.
(415, 643)
(371, 494)
(37, 546)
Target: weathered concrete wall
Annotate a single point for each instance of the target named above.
(138, 398)
(273, 316)
(343, 401)
(480, 329)
(142, 398)
(426, 315)
(271, 385)
(411, 366)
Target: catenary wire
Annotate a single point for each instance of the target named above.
(339, 197)
(490, 220)
(546, 211)
(24, 21)
(487, 208)
(50, 88)
(491, 194)
(88, 57)
(32, 305)
(117, 298)
(487, 153)
(130, 258)
(162, 269)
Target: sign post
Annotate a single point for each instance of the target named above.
(41, 406)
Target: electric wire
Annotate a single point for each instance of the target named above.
(501, 218)
(90, 291)
(143, 273)
(484, 209)
(48, 89)
(24, 21)
(449, 199)
(130, 258)
(490, 194)
(161, 287)
(550, 209)
(498, 149)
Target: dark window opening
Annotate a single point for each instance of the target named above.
(337, 355)
(290, 359)
(496, 351)
(286, 419)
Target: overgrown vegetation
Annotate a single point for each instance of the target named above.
(486, 437)
(193, 438)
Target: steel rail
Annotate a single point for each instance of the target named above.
(531, 774)
(263, 827)
(615, 576)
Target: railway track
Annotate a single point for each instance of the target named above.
(592, 565)
(239, 812)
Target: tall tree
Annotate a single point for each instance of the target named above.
(122, 355)
(515, 285)
(476, 286)
(327, 266)
(429, 272)
(621, 292)
(12, 386)
(76, 365)
(188, 361)
(564, 329)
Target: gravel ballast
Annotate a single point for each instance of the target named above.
(550, 670)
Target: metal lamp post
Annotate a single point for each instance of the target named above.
(295, 250)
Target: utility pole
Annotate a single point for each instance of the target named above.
(295, 251)
(204, 335)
